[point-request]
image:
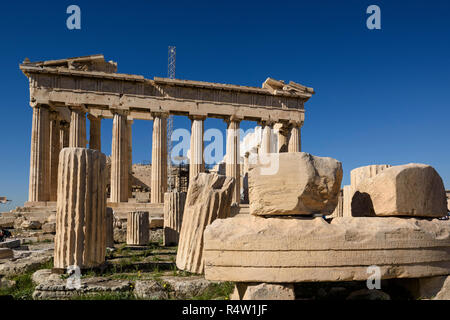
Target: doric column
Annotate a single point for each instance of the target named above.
(77, 136)
(283, 132)
(196, 164)
(130, 157)
(39, 188)
(95, 132)
(295, 144)
(137, 228)
(159, 158)
(233, 167)
(119, 158)
(267, 127)
(64, 132)
(80, 210)
(55, 148)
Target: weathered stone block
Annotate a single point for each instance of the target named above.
(263, 291)
(279, 250)
(80, 210)
(6, 253)
(303, 184)
(414, 190)
(208, 198)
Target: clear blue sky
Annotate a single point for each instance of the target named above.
(381, 96)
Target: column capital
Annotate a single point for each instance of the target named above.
(234, 118)
(121, 112)
(39, 105)
(266, 122)
(159, 114)
(197, 117)
(91, 117)
(77, 108)
(296, 123)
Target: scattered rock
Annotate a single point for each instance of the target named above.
(150, 289)
(263, 291)
(31, 225)
(49, 227)
(6, 253)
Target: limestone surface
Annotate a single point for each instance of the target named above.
(263, 291)
(208, 198)
(279, 250)
(173, 216)
(302, 184)
(414, 190)
(81, 208)
(137, 228)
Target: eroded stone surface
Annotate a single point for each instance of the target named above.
(414, 190)
(209, 198)
(279, 250)
(303, 185)
(263, 291)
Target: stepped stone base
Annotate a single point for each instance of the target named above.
(276, 250)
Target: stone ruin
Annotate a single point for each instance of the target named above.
(299, 226)
(398, 226)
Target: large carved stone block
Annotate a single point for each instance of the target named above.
(208, 198)
(81, 208)
(414, 190)
(295, 184)
(138, 229)
(246, 248)
(173, 215)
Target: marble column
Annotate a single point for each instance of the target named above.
(55, 148)
(119, 158)
(196, 164)
(130, 157)
(295, 138)
(159, 158)
(77, 137)
(282, 137)
(233, 167)
(39, 187)
(64, 132)
(95, 133)
(267, 128)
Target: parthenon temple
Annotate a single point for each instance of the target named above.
(64, 92)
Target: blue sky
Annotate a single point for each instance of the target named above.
(381, 95)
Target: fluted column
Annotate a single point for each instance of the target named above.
(266, 136)
(80, 238)
(130, 158)
(77, 137)
(159, 158)
(233, 167)
(138, 228)
(196, 164)
(119, 158)
(39, 187)
(64, 132)
(95, 132)
(282, 137)
(55, 148)
(173, 215)
(295, 138)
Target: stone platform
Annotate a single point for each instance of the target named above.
(289, 250)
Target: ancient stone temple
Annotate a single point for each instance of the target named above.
(64, 92)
